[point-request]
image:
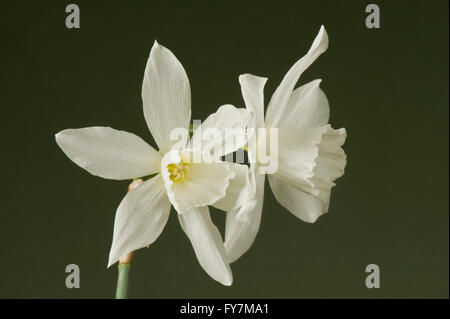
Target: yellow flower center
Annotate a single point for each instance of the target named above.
(177, 171)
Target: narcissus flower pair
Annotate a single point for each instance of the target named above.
(189, 174)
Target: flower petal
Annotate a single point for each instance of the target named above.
(140, 218)
(238, 191)
(242, 224)
(166, 95)
(109, 153)
(228, 123)
(207, 243)
(252, 88)
(307, 107)
(309, 161)
(279, 100)
(305, 206)
(203, 184)
(297, 152)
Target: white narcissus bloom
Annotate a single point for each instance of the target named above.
(189, 186)
(310, 156)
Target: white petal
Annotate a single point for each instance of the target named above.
(252, 88)
(331, 161)
(140, 218)
(109, 153)
(242, 224)
(207, 243)
(229, 124)
(203, 183)
(279, 100)
(238, 192)
(166, 96)
(307, 107)
(305, 206)
(310, 159)
(297, 153)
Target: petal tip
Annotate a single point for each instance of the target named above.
(320, 43)
(228, 280)
(323, 31)
(316, 82)
(112, 258)
(59, 138)
(249, 76)
(110, 263)
(312, 219)
(242, 77)
(323, 36)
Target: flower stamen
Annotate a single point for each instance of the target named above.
(176, 171)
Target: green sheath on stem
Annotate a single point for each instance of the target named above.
(122, 281)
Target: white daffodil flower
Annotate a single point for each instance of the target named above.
(188, 185)
(310, 156)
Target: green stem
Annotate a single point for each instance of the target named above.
(122, 281)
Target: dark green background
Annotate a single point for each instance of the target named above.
(387, 87)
